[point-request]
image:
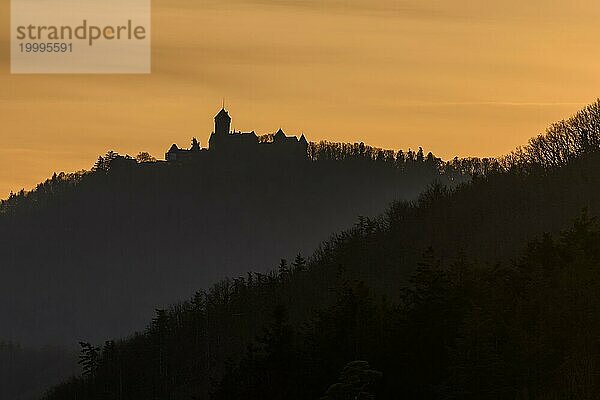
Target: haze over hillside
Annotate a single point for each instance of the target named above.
(96, 252)
(91, 255)
(489, 290)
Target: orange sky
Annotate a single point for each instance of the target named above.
(458, 77)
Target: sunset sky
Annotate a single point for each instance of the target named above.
(457, 77)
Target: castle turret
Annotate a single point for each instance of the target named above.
(222, 123)
(171, 155)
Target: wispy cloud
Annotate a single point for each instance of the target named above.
(383, 8)
(493, 103)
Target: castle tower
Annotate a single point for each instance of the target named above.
(222, 123)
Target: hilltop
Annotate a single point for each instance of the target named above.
(92, 254)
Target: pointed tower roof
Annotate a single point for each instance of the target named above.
(222, 116)
(303, 139)
(280, 134)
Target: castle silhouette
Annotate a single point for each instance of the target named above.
(226, 143)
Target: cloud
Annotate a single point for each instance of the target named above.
(382, 8)
(493, 103)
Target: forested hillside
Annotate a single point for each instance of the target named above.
(485, 291)
(92, 254)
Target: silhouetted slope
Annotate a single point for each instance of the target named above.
(92, 255)
(184, 351)
(457, 329)
(462, 330)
